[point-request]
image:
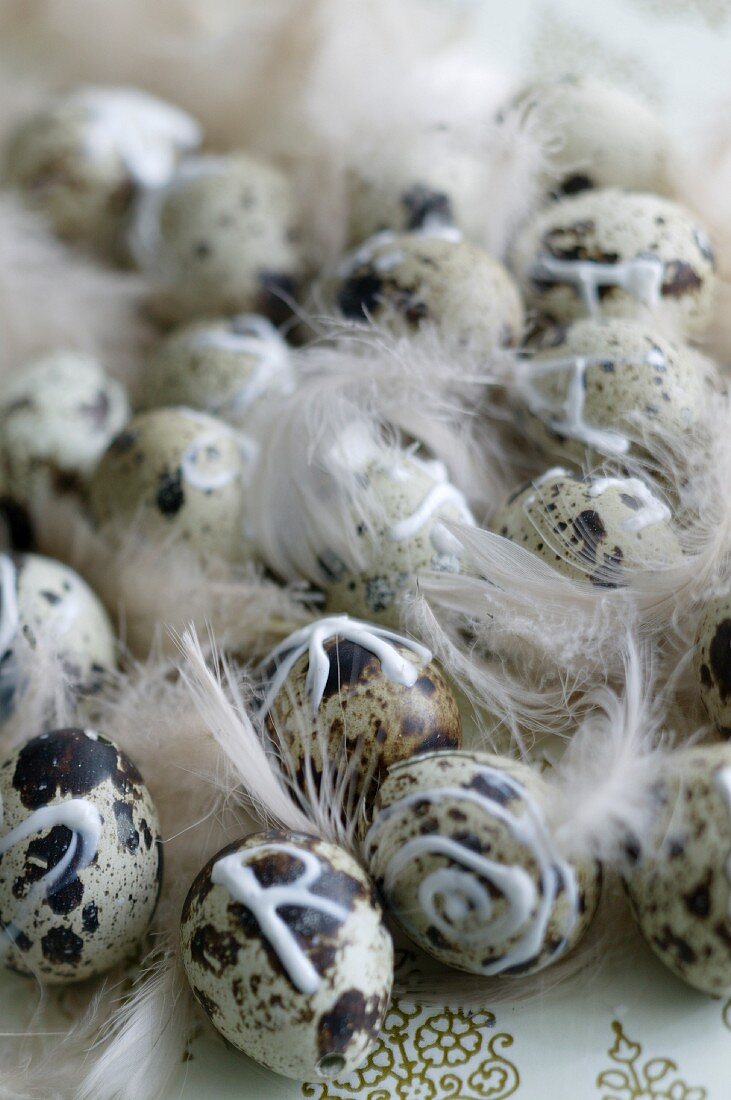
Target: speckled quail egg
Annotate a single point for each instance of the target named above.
(82, 158)
(406, 499)
(342, 692)
(80, 857)
(44, 603)
(712, 661)
(596, 529)
(464, 859)
(600, 387)
(411, 279)
(234, 368)
(220, 237)
(176, 473)
(57, 417)
(286, 950)
(679, 878)
(602, 136)
(614, 253)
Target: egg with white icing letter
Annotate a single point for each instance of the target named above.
(433, 277)
(712, 661)
(82, 159)
(601, 388)
(604, 136)
(80, 857)
(58, 414)
(595, 529)
(286, 950)
(342, 692)
(235, 368)
(46, 606)
(464, 860)
(679, 872)
(220, 237)
(614, 253)
(176, 474)
(406, 501)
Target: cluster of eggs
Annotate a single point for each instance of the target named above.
(285, 936)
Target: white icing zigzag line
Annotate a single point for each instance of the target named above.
(311, 638)
(641, 278)
(464, 896)
(9, 614)
(443, 493)
(263, 901)
(252, 335)
(723, 783)
(568, 416)
(651, 509)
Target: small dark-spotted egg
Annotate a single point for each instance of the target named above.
(712, 661)
(221, 237)
(406, 500)
(596, 529)
(603, 136)
(177, 474)
(342, 692)
(46, 605)
(615, 253)
(461, 851)
(82, 158)
(679, 878)
(600, 387)
(233, 368)
(432, 277)
(80, 857)
(286, 950)
(58, 415)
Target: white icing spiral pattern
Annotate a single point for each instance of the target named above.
(456, 898)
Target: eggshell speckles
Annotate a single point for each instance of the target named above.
(406, 502)
(80, 857)
(615, 253)
(604, 137)
(680, 879)
(367, 712)
(176, 473)
(600, 387)
(57, 417)
(285, 948)
(411, 279)
(712, 662)
(43, 601)
(82, 158)
(221, 237)
(464, 860)
(592, 529)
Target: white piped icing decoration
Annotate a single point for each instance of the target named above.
(641, 278)
(459, 889)
(264, 902)
(145, 132)
(567, 417)
(651, 510)
(311, 640)
(723, 783)
(9, 614)
(445, 544)
(555, 471)
(368, 251)
(250, 334)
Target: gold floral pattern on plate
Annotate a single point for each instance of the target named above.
(635, 1079)
(427, 1055)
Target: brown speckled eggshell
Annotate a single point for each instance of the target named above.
(612, 226)
(446, 827)
(712, 662)
(241, 983)
(97, 918)
(680, 879)
(363, 709)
